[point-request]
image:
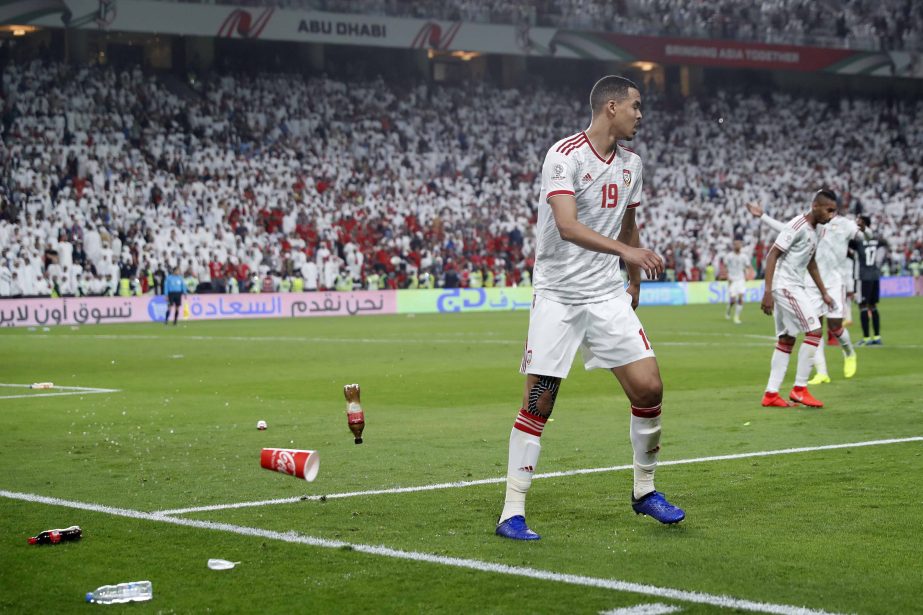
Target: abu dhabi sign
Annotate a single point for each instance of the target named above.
(267, 23)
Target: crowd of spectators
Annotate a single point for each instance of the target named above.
(858, 24)
(285, 182)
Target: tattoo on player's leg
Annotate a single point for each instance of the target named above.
(542, 396)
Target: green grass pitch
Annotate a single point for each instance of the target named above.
(837, 530)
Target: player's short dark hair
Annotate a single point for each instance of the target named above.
(611, 87)
(827, 193)
(866, 220)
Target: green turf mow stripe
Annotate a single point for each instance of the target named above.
(292, 537)
(564, 473)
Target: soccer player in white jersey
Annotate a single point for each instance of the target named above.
(786, 296)
(591, 188)
(831, 263)
(737, 263)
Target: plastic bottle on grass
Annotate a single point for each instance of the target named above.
(136, 591)
(53, 537)
(354, 415)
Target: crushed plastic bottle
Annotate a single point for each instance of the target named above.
(221, 564)
(136, 591)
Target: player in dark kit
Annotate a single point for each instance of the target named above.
(870, 250)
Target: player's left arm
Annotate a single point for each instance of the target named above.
(815, 275)
(629, 234)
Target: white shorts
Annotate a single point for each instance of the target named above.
(608, 333)
(736, 287)
(837, 292)
(794, 312)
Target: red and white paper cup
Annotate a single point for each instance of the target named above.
(298, 463)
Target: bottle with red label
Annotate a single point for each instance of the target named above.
(53, 537)
(354, 415)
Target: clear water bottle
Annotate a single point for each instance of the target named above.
(136, 591)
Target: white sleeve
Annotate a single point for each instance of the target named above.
(786, 238)
(558, 175)
(772, 223)
(853, 230)
(634, 199)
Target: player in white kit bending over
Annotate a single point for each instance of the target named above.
(737, 263)
(591, 188)
(832, 264)
(786, 296)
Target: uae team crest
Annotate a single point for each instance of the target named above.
(626, 175)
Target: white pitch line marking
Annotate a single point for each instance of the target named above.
(668, 593)
(64, 390)
(378, 340)
(273, 339)
(657, 608)
(491, 481)
(351, 340)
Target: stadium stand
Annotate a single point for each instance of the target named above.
(856, 24)
(109, 175)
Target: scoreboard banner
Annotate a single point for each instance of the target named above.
(268, 23)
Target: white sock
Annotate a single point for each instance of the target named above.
(525, 445)
(806, 359)
(737, 310)
(645, 443)
(842, 336)
(779, 366)
(820, 357)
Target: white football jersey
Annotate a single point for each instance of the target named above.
(798, 242)
(831, 251)
(737, 264)
(604, 189)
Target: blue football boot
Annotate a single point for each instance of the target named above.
(516, 528)
(655, 505)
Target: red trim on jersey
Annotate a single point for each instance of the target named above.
(781, 249)
(570, 140)
(633, 205)
(611, 158)
(557, 193)
(628, 149)
(567, 149)
(799, 223)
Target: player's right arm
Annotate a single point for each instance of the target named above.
(767, 303)
(564, 208)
